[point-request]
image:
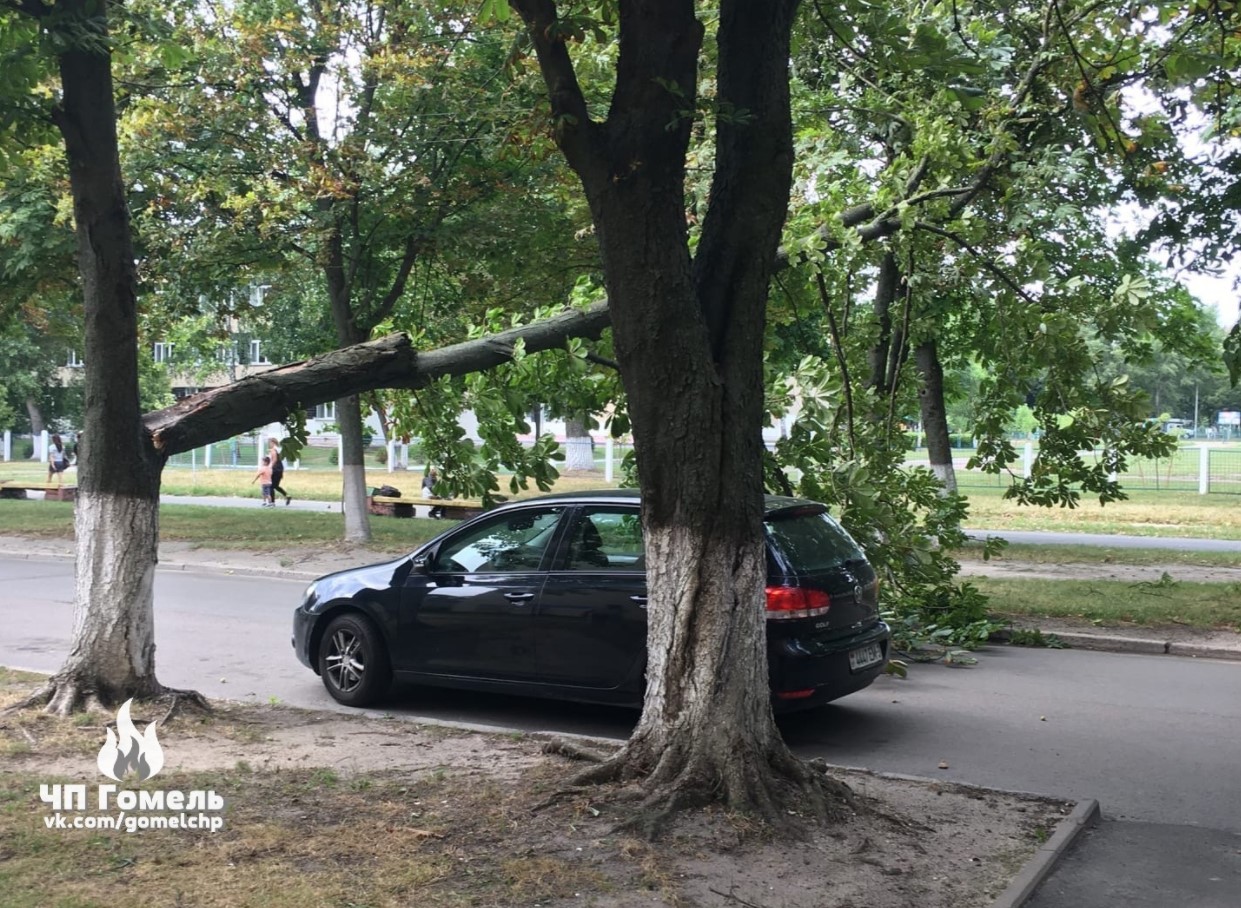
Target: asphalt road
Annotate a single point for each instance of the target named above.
(1154, 738)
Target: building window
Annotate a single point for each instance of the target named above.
(326, 411)
(257, 357)
(162, 352)
(73, 362)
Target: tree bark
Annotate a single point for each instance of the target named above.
(579, 449)
(688, 336)
(935, 414)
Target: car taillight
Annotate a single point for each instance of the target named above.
(784, 602)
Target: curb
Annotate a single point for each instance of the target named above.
(187, 566)
(1037, 869)
(1112, 643)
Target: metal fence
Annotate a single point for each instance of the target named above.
(1212, 467)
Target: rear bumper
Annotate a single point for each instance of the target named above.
(802, 677)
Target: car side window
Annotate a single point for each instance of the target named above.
(606, 539)
(511, 542)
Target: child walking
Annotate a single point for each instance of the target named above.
(263, 477)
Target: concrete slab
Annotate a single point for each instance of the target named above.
(1146, 865)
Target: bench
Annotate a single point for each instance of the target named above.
(387, 506)
(457, 508)
(453, 508)
(51, 492)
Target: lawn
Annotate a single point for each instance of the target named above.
(1145, 513)
(227, 528)
(1111, 602)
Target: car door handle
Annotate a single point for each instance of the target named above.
(641, 600)
(518, 597)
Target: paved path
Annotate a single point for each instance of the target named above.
(1180, 543)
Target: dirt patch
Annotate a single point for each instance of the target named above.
(1129, 573)
(331, 810)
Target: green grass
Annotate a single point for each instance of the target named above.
(1110, 602)
(227, 527)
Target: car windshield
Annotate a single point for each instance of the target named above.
(809, 539)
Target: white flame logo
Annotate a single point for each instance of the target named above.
(140, 754)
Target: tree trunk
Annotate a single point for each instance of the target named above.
(579, 448)
(353, 469)
(348, 407)
(882, 353)
(116, 520)
(688, 336)
(935, 414)
(37, 425)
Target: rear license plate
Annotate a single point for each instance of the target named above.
(865, 656)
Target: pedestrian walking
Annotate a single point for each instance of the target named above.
(277, 472)
(57, 460)
(263, 478)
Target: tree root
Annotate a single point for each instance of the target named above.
(66, 693)
(561, 747)
(191, 698)
(784, 794)
(39, 698)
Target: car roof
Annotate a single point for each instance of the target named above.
(634, 496)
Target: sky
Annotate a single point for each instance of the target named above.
(1218, 293)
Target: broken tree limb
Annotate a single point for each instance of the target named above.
(389, 362)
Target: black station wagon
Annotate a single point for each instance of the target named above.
(547, 597)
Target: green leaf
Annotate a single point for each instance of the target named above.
(1232, 354)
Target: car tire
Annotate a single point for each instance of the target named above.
(353, 661)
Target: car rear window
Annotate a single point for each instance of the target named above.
(809, 539)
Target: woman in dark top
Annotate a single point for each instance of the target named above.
(277, 471)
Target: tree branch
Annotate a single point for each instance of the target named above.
(572, 119)
(388, 303)
(390, 362)
(36, 9)
(1000, 274)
